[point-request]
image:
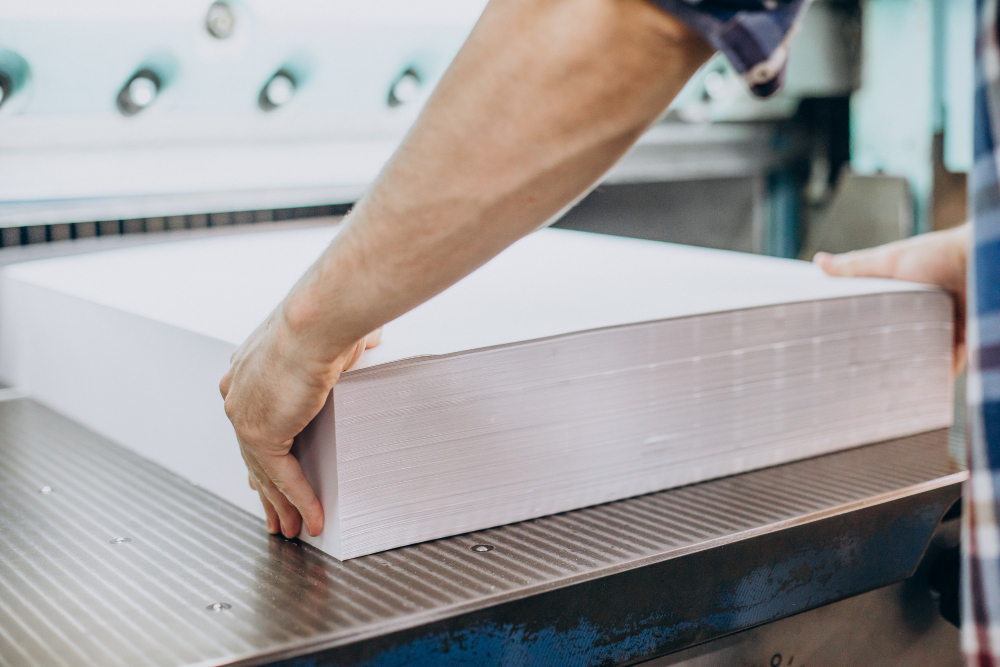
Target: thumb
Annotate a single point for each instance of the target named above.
(872, 263)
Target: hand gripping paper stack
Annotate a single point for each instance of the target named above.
(572, 370)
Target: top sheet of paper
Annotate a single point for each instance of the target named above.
(550, 283)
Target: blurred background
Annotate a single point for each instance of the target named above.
(121, 117)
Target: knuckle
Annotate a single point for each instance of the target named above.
(230, 407)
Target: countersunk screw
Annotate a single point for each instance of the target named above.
(119, 540)
(482, 548)
(220, 20)
(46, 490)
(219, 606)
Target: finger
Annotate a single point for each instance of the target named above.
(287, 518)
(961, 350)
(287, 476)
(355, 355)
(958, 363)
(373, 339)
(271, 517)
(288, 515)
(873, 263)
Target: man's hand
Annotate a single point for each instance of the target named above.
(938, 258)
(515, 130)
(273, 389)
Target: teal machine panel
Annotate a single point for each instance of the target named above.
(916, 82)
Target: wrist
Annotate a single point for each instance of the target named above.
(303, 332)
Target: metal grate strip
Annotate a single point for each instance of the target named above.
(70, 594)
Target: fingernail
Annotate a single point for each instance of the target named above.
(270, 526)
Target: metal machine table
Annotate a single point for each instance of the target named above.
(107, 559)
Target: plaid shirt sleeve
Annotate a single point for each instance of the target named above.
(981, 538)
(753, 34)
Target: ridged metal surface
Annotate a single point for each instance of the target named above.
(73, 594)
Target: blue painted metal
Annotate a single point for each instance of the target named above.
(667, 606)
(781, 234)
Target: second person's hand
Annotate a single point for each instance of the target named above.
(938, 258)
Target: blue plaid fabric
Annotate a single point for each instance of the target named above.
(754, 35)
(981, 555)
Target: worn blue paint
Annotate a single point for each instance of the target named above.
(810, 576)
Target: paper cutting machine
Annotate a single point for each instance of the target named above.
(106, 558)
(213, 117)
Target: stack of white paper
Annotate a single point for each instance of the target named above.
(572, 370)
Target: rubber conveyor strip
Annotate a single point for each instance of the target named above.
(107, 559)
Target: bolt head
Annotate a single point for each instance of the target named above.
(220, 20)
(280, 89)
(139, 92)
(405, 89)
(142, 91)
(482, 548)
(277, 92)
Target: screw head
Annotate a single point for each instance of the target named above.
(278, 91)
(220, 20)
(482, 548)
(405, 88)
(46, 490)
(119, 540)
(219, 606)
(139, 92)
(142, 91)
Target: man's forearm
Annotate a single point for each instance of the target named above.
(543, 98)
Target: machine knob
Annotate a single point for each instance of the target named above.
(277, 92)
(944, 579)
(405, 88)
(139, 92)
(6, 88)
(220, 20)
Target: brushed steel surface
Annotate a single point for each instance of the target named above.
(200, 582)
